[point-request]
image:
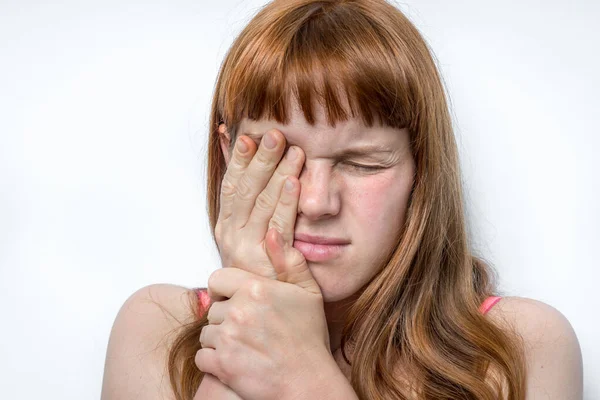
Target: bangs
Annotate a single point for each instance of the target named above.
(332, 56)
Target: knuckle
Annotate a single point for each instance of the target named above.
(264, 202)
(198, 360)
(227, 188)
(263, 160)
(256, 290)
(213, 277)
(287, 199)
(244, 188)
(228, 336)
(240, 317)
(239, 255)
(278, 223)
(280, 173)
(296, 261)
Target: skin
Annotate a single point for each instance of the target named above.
(338, 199)
(332, 199)
(358, 197)
(358, 190)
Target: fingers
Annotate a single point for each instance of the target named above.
(208, 336)
(289, 263)
(212, 388)
(277, 252)
(236, 168)
(253, 182)
(257, 175)
(286, 211)
(264, 216)
(216, 313)
(226, 281)
(207, 361)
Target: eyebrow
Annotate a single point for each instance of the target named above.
(352, 152)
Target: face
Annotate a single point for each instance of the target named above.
(361, 198)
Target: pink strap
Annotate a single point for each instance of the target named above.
(489, 303)
(203, 299)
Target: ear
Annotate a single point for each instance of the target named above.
(224, 142)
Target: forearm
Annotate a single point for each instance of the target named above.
(336, 388)
(326, 382)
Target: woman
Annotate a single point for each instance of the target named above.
(357, 282)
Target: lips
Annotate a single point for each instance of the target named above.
(319, 248)
(320, 239)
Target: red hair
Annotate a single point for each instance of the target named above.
(419, 315)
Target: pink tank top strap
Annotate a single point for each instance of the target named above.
(488, 304)
(203, 300)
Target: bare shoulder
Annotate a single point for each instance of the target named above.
(552, 349)
(140, 339)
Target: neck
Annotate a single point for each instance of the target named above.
(336, 312)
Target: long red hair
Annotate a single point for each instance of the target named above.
(420, 311)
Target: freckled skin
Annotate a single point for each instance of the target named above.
(379, 205)
(368, 208)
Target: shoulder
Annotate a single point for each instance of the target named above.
(552, 349)
(140, 339)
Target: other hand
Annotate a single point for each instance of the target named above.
(270, 339)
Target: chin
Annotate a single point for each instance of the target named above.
(332, 297)
(333, 289)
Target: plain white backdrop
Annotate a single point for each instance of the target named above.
(103, 129)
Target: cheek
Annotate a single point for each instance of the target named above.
(380, 201)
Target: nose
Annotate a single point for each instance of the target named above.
(319, 192)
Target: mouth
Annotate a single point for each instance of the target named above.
(320, 248)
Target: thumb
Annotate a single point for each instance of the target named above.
(290, 265)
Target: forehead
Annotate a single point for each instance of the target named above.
(296, 131)
(321, 136)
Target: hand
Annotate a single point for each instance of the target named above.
(212, 388)
(249, 197)
(270, 339)
(241, 243)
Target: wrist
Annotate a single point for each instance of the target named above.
(324, 380)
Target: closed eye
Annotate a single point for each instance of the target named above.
(368, 168)
(359, 167)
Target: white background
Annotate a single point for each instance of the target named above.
(103, 120)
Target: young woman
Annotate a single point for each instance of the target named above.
(335, 201)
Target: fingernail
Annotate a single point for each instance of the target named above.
(270, 141)
(289, 185)
(292, 153)
(242, 146)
